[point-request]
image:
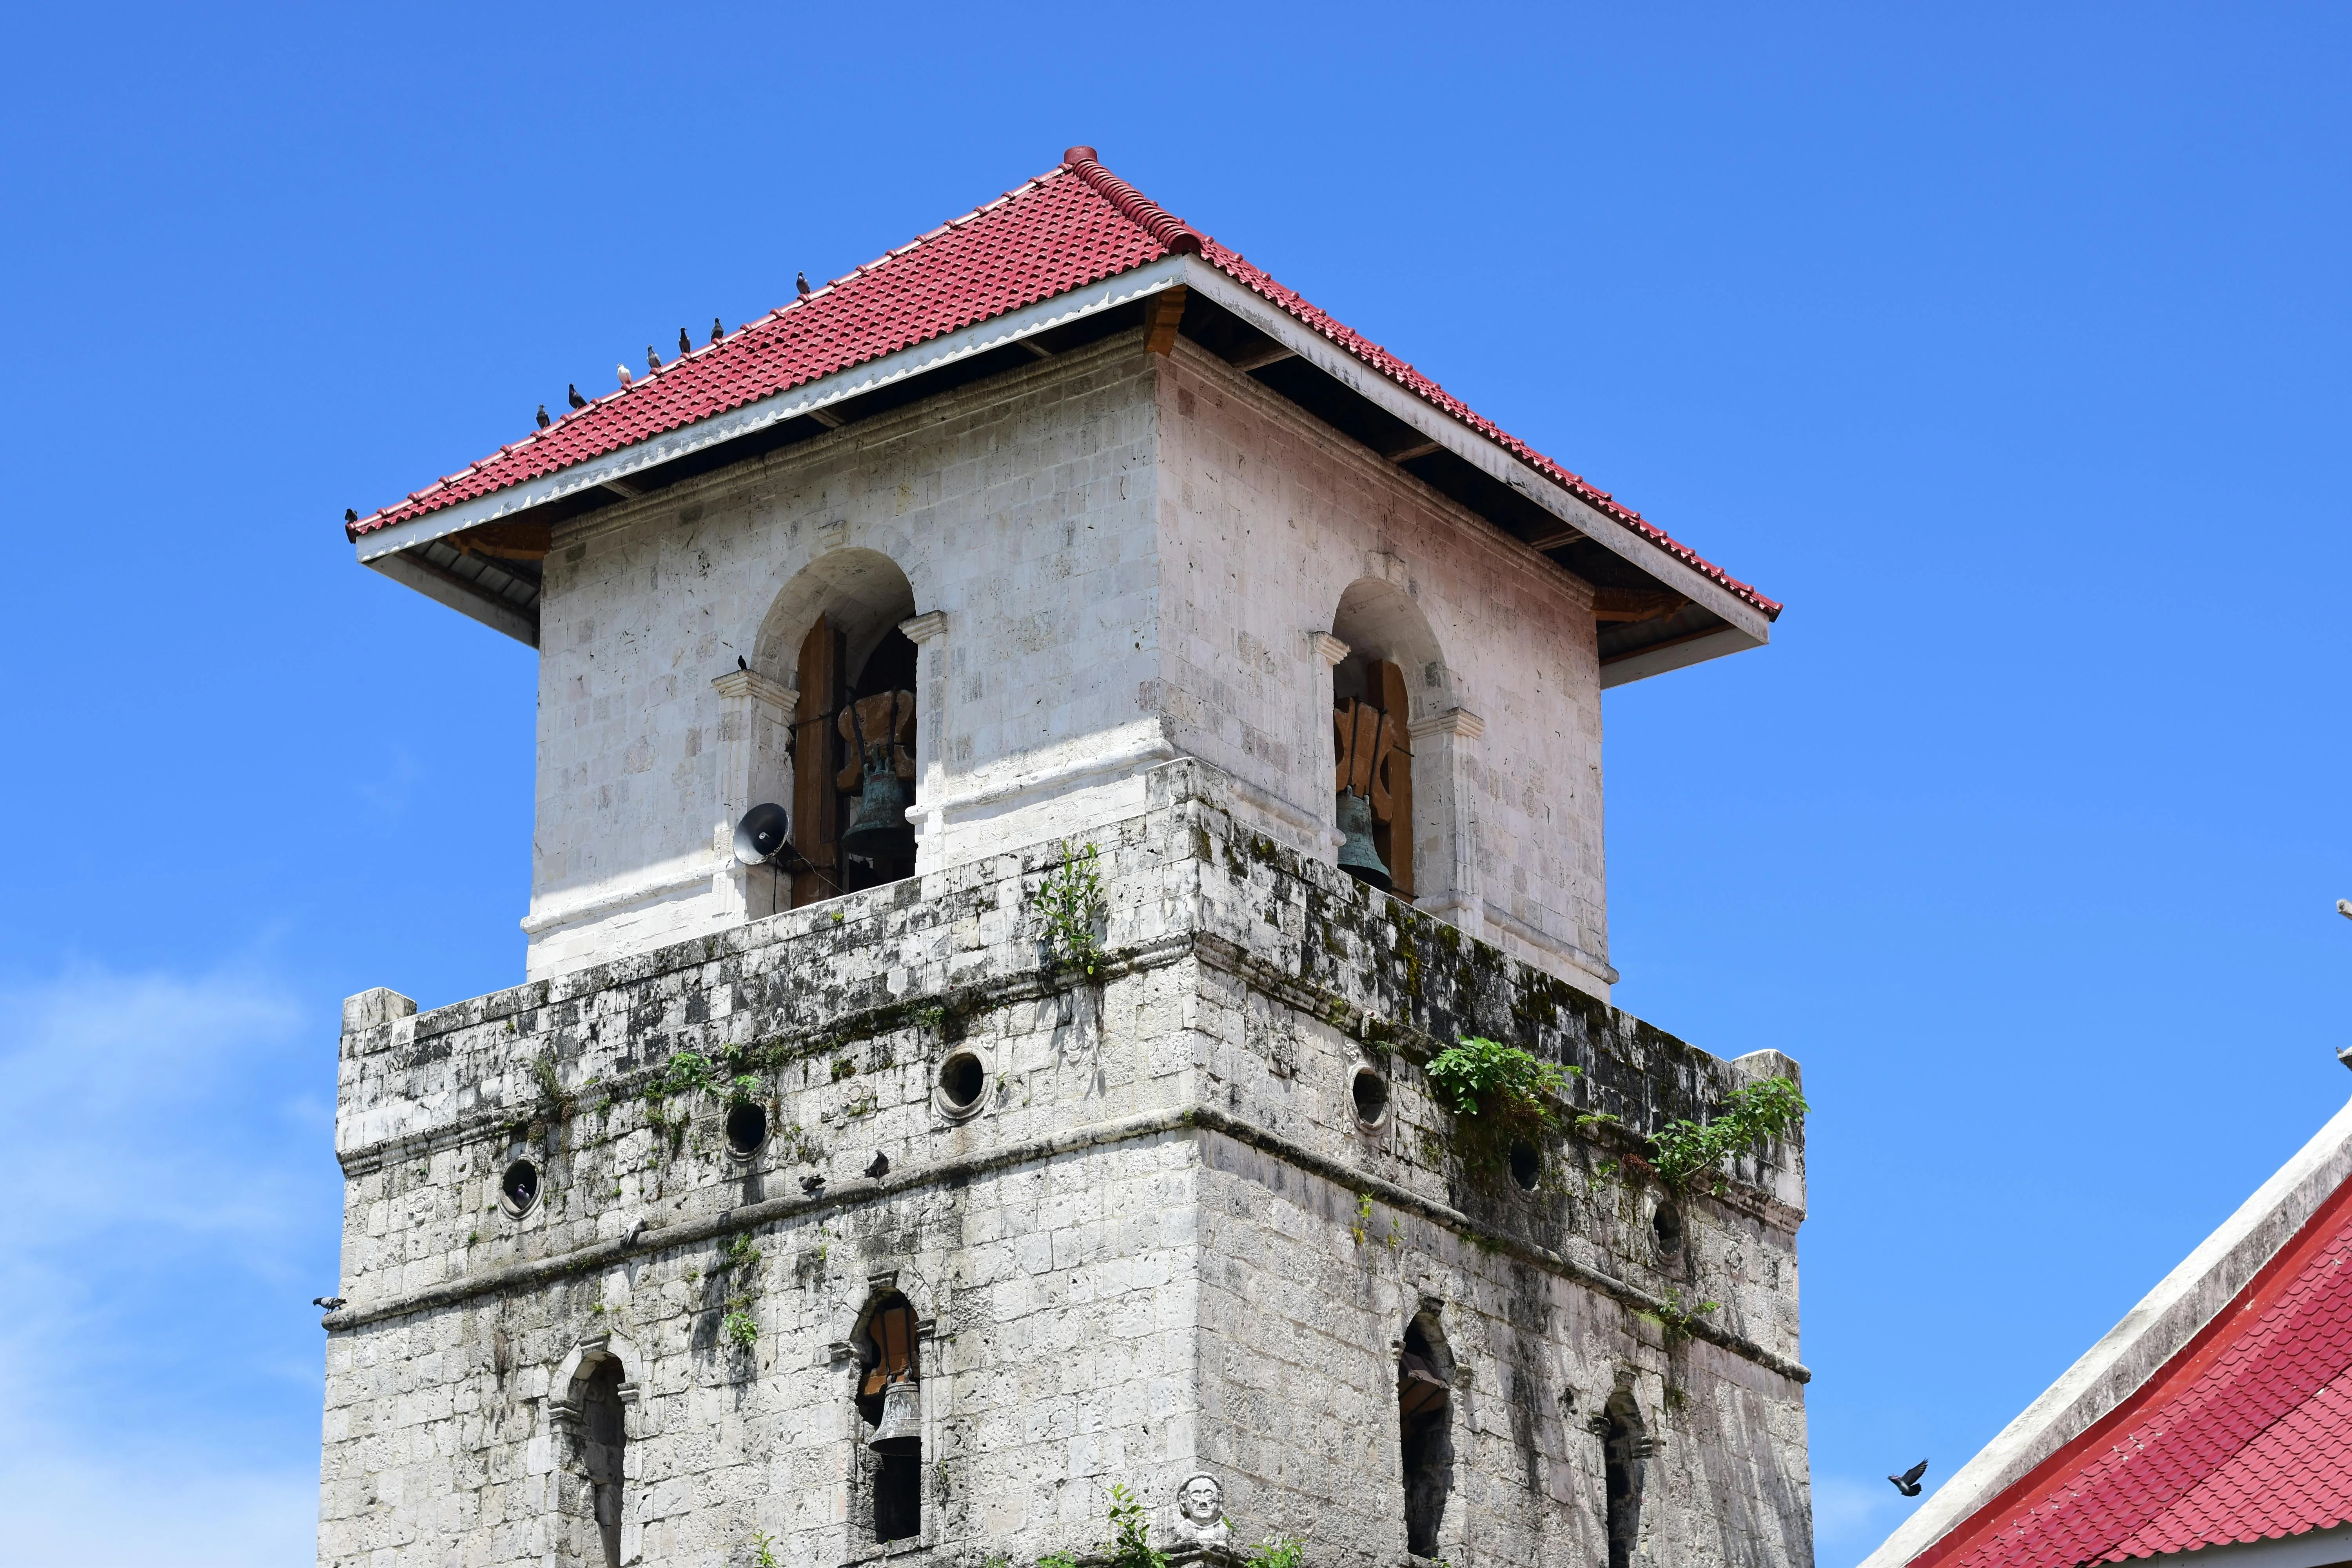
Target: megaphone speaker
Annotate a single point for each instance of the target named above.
(764, 832)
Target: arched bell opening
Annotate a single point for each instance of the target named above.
(1385, 681)
(853, 746)
(889, 1404)
(1425, 1431)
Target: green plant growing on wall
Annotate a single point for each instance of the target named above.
(738, 1327)
(1688, 1152)
(1500, 1096)
(745, 1089)
(1130, 1545)
(1486, 1078)
(740, 1253)
(1363, 1217)
(552, 1100)
(1058, 1560)
(763, 1551)
(1278, 1551)
(1678, 1321)
(1068, 900)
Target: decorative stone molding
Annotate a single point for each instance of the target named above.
(1441, 746)
(1327, 648)
(929, 633)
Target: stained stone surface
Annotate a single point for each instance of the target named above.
(1165, 1245)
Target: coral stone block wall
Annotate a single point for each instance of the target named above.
(1110, 559)
(1168, 1228)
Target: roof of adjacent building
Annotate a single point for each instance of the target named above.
(1075, 226)
(2243, 1434)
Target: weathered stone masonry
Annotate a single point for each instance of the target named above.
(1166, 1241)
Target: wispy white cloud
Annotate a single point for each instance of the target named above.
(163, 1140)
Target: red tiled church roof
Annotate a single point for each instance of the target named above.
(1070, 227)
(2244, 1435)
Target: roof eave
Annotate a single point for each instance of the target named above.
(1745, 625)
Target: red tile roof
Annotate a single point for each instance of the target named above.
(1070, 227)
(2244, 1435)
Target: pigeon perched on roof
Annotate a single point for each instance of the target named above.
(739, 664)
(624, 371)
(332, 1303)
(717, 331)
(573, 389)
(880, 1166)
(803, 283)
(1907, 1483)
(685, 343)
(543, 420)
(653, 359)
(350, 514)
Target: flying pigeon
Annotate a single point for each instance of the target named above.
(1907, 1483)
(573, 388)
(803, 282)
(653, 359)
(543, 420)
(349, 515)
(685, 343)
(624, 374)
(880, 1167)
(716, 333)
(332, 1303)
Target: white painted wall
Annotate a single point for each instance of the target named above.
(1116, 559)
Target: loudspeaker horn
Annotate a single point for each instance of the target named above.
(764, 833)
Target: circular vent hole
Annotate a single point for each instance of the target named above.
(519, 1188)
(961, 1079)
(1668, 1223)
(747, 1128)
(1371, 1092)
(1527, 1169)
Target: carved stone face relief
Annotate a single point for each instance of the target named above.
(1201, 1510)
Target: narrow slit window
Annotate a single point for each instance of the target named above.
(1425, 1416)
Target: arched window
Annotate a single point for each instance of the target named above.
(1626, 1449)
(889, 1399)
(1426, 1429)
(602, 1440)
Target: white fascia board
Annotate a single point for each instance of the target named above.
(839, 387)
(1497, 462)
(492, 614)
(2132, 1352)
(1676, 655)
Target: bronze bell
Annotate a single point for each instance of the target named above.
(879, 831)
(1356, 856)
(902, 1430)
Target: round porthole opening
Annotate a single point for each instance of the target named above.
(1668, 1225)
(1526, 1168)
(519, 1188)
(961, 1082)
(1370, 1092)
(747, 1128)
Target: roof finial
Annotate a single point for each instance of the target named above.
(1080, 155)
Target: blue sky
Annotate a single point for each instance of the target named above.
(2007, 346)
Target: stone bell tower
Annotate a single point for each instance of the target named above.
(1185, 723)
